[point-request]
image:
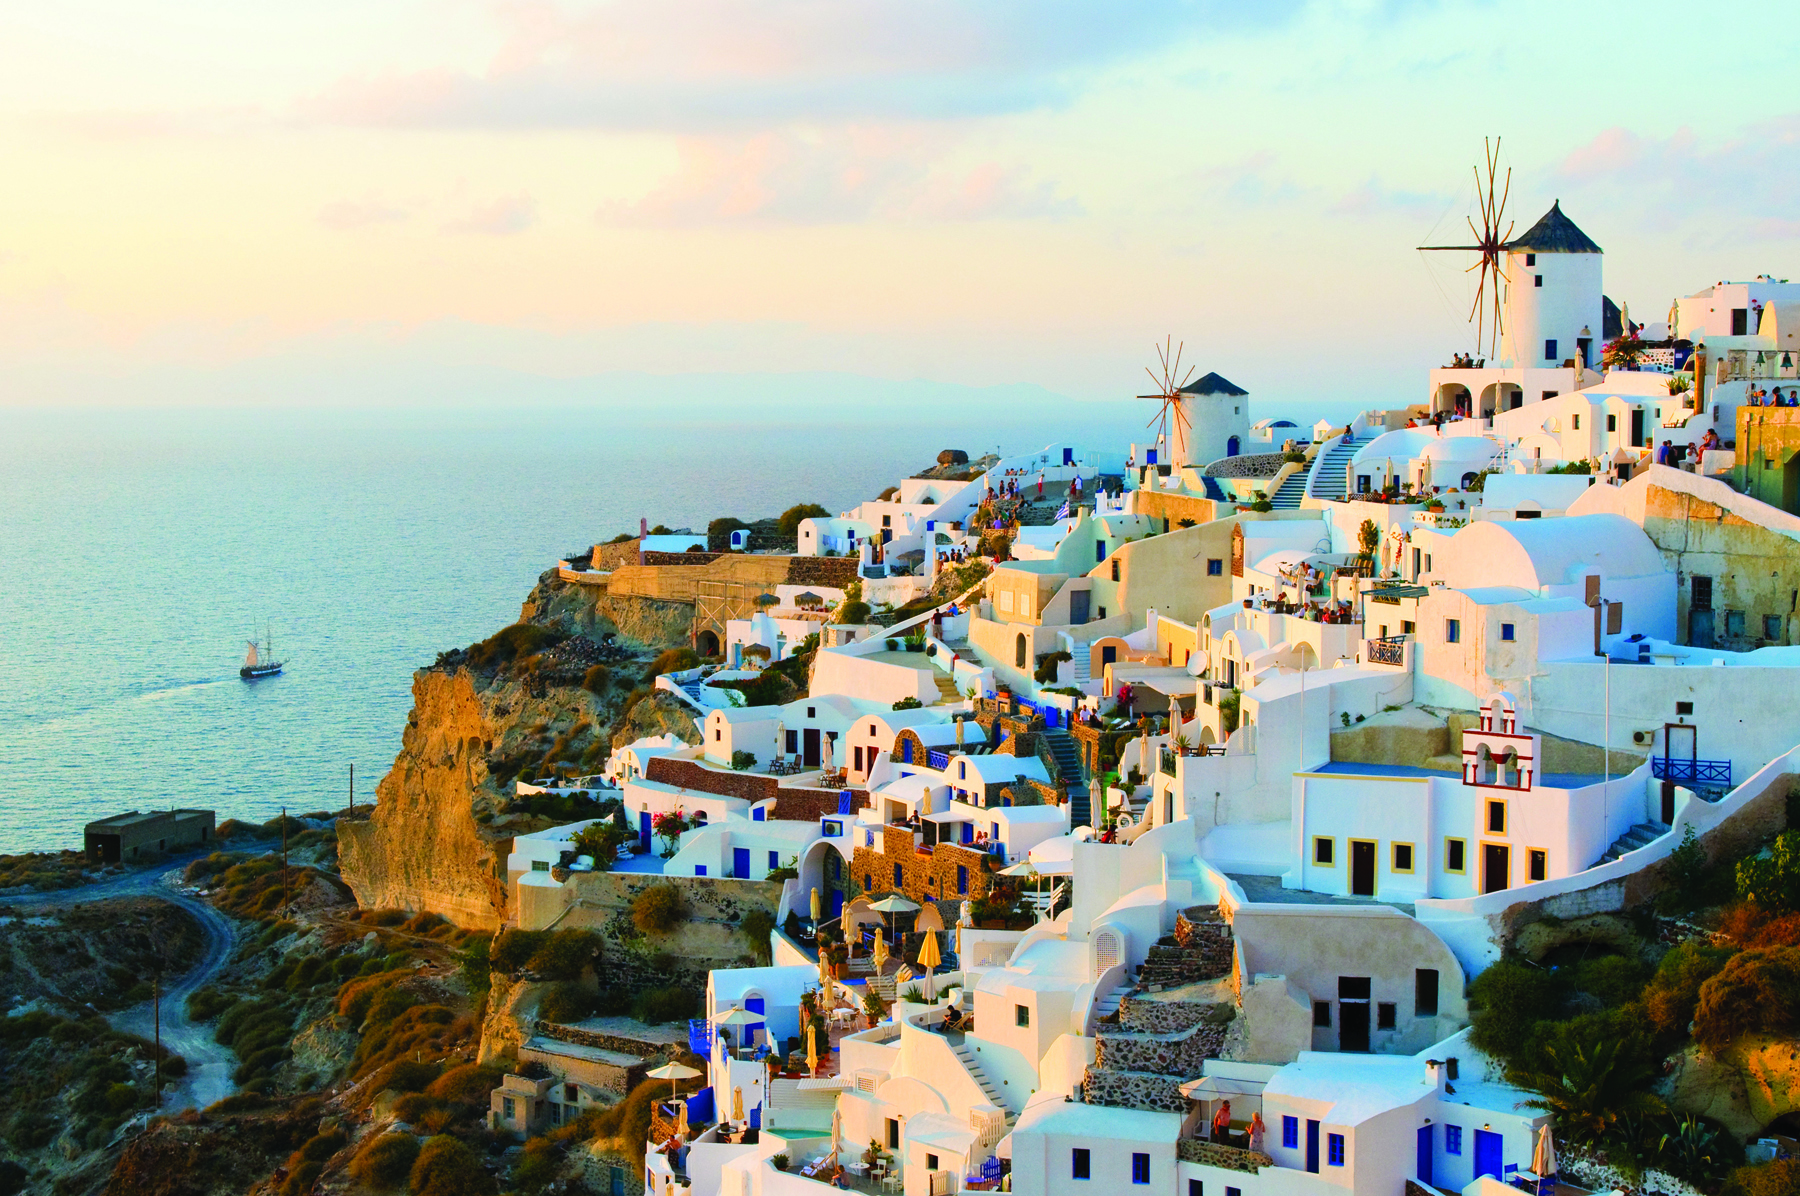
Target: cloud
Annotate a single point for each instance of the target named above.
(1732, 189)
(346, 214)
(841, 177)
(503, 217)
(699, 65)
(1373, 200)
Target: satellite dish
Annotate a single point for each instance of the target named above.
(1197, 662)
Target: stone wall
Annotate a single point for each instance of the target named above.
(1179, 1055)
(925, 875)
(1230, 1158)
(681, 558)
(602, 1074)
(1140, 1016)
(1134, 1090)
(1205, 932)
(605, 1042)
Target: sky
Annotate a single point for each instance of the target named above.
(425, 201)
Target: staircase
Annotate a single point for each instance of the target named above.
(1329, 476)
(1108, 1005)
(1287, 496)
(946, 688)
(1638, 836)
(1081, 669)
(989, 1089)
(1068, 756)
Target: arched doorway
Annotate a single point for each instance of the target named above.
(1231, 447)
(707, 643)
(1452, 398)
(1019, 651)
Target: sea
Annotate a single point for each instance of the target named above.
(140, 548)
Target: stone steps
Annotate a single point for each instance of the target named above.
(1641, 835)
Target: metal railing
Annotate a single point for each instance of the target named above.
(938, 760)
(1388, 650)
(1694, 772)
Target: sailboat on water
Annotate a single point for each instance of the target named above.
(260, 662)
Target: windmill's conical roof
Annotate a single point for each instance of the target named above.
(1213, 384)
(1553, 233)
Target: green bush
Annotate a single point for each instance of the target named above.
(565, 954)
(670, 1004)
(567, 1002)
(513, 643)
(671, 660)
(743, 760)
(789, 523)
(1772, 882)
(1046, 666)
(597, 680)
(1674, 991)
(513, 949)
(658, 909)
(301, 1179)
(757, 925)
(1506, 1003)
(323, 1145)
(446, 1167)
(386, 1161)
(1756, 991)
(908, 704)
(466, 1084)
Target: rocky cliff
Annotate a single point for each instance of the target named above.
(554, 689)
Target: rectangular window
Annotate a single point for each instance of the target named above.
(1115, 569)
(1140, 1168)
(1425, 992)
(1385, 1015)
(1574, 420)
(1021, 1015)
(1079, 1163)
(893, 1133)
(896, 876)
(1496, 823)
(774, 860)
(508, 1109)
(1682, 708)
(1403, 857)
(1407, 627)
(1322, 1014)
(1550, 350)
(1771, 627)
(1334, 1149)
(1102, 612)
(1196, 1187)
(1323, 851)
(1234, 1192)
(931, 1162)
(1453, 1139)
(1215, 567)
(1452, 631)
(1531, 259)
(1538, 863)
(1612, 423)
(1453, 855)
(1506, 632)
(540, 865)
(1290, 1132)
(1537, 281)
(1099, 551)
(1734, 624)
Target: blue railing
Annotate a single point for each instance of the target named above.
(1694, 772)
(938, 760)
(700, 1037)
(846, 802)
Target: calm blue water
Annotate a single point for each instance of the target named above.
(140, 549)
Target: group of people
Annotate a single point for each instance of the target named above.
(1462, 361)
(1762, 398)
(1677, 455)
(1221, 1126)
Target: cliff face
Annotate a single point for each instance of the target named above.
(549, 690)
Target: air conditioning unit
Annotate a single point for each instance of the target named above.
(1643, 737)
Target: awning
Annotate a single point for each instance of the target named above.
(1214, 1087)
(1395, 593)
(822, 1083)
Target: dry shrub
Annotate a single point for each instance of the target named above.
(447, 1167)
(357, 995)
(427, 1032)
(386, 1161)
(658, 909)
(1750, 926)
(467, 1084)
(1757, 991)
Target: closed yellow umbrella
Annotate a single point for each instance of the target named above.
(880, 955)
(815, 905)
(737, 1104)
(929, 959)
(812, 1047)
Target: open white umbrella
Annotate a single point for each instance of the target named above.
(674, 1073)
(736, 1016)
(893, 904)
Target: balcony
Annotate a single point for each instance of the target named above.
(1710, 779)
(1387, 650)
(1218, 1154)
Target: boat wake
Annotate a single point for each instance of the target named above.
(157, 691)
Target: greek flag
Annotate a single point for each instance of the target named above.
(1062, 512)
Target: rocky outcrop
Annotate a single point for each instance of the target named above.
(511, 1014)
(661, 713)
(1744, 1087)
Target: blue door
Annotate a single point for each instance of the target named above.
(1487, 1154)
(906, 751)
(740, 862)
(837, 902)
(752, 1005)
(1423, 1167)
(644, 829)
(1312, 1147)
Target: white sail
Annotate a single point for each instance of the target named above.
(250, 657)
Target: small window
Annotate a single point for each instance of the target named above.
(897, 875)
(1612, 423)
(508, 1109)
(1196, 1187)
(1021, 1015)
(1334, 1149)
(1452, 631)
(1538, 862)
(1215, 567)
(1079, 1163)
(1140, 1168)
(931, 1162)
(1322, 1014)
(1425, 992)
(1549, 346)
(1682, 708)
(1403, 857)
(1324, 849)
(774, 860)
(1407, 626)
(1115, 569)
(540, 865)
(1771, 627)
(812, 712)
(1234, 1192)
(1290, 1133)
(1103, 612)
(1453, 855)
(887, 521)
(1453, 1139)
(1574, 420)
(893, 1133)
(1385, 1015)
(1496, 823)
(718, 734)
(1531, 259)
(1099, 551)
(1506, 632)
